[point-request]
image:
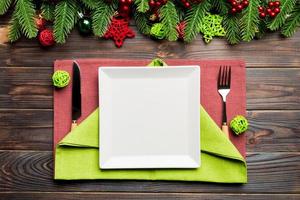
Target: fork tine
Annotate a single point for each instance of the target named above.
(229, 77)
(223, 76)
(219, 77)
(226, 76)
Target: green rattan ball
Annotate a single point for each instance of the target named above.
(239, 124)
(61, 78)
(157, 31)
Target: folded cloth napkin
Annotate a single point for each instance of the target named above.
(77, 156)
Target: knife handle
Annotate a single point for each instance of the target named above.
(225, 129)
(74, 125)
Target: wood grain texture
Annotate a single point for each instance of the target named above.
(144, 196)
(270, 131)
(28, 87)
(33, 171)
(26, 117)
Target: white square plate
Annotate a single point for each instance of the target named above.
(149, 117)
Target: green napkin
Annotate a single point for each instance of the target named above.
(77, 157)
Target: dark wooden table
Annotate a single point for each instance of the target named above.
(26, 119)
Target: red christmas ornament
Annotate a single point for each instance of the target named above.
(46, 38)
(119, 31)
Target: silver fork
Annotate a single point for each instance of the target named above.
(224, 80)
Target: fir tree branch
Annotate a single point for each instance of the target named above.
(14, 29)
(194, 18)
(292, 22)
(142, 5)
(220, 6)
(91, 4)
(4, 5)
(262, 29)
(169, 19)
(65, 19)
(249, 21)
(285, 8)
(48, 11)
(25, 13)
(102, 17)
(141, 21)
(232, 28)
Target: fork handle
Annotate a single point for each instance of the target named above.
(225, 129)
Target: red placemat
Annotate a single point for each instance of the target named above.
(210, 99)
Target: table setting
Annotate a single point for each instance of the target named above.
(143, 120)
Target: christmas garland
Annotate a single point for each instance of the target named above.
(238, 20)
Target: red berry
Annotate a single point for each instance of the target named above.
(187, 5)
(158, 4)
(233, 10)
(240, 7)
(261, 9)
(122, 1)
(271, 4)
(276, 10)
(277, 3)
(269, 10)
(273, 14)
(129, 1)
(152, 3)
(245, 3)
(164, 2)
(234, 3)
(125, 8)
(262, 15)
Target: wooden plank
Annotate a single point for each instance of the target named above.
(272, 51)
(33, 171)
(270, 131)
(28, 88)
(144, 196)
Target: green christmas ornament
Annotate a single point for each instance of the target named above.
(239, 124)
(157, 31)
(61, 78)
(211, 27)
(84, 25)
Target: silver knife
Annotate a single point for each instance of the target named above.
(76, 95)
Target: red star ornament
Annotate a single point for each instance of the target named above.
(119, 31)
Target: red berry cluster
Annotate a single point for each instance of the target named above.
(156, 4)
(238, 5)
(272, 9)
(124, 7)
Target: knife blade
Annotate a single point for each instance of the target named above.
(76, 94)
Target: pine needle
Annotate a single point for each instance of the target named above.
(65, 19)
(250, 20)
(102, 17)
(48, 11)
(220, 6)
(194, 18)
(285, 8)
(91, 4)
(4, 5)
(232, 28)
(142, 23)
(169, 19)
(14, 30)
(142, 5)
(25, 13)
(292, 23)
